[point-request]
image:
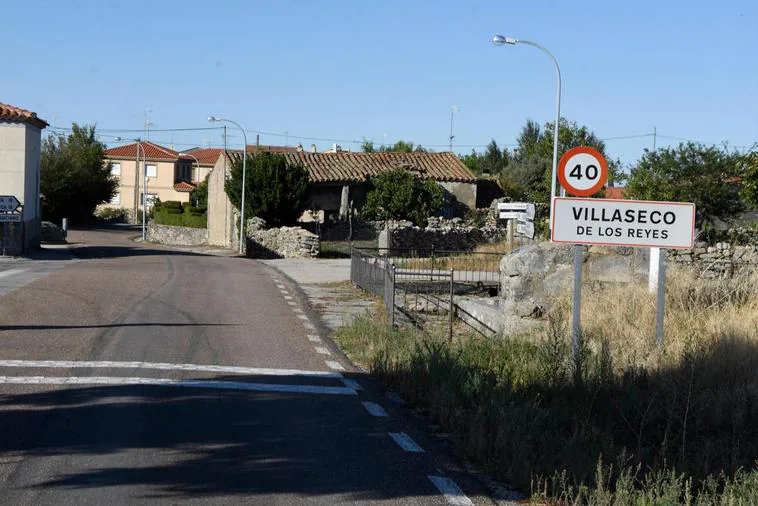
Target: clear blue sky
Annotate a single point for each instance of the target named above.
(353, 69)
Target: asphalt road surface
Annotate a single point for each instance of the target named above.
(138, 374)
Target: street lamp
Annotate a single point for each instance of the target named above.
(197, 162)
(500, 40)
(144, 181)
(244, 168)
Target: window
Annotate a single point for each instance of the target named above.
(151, 170)
(115, 169)
(116, 199)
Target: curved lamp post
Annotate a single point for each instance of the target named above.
(197, 163)
(500, 40)
(244, 164)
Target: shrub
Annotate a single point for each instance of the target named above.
(113, 215)
(399, 195)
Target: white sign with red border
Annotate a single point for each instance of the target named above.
(637, 223)
(583, 171)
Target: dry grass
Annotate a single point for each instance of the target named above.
(485, 257)
(673, 424)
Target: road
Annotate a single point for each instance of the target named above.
(138, 374)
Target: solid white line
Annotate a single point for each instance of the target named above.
(68, 364)
(11, 272)
(405, 442)
(352, 384)
(375, 409)
(219, 385)
(314, 338)
(322, 350)
(334, 365)
(453, 494)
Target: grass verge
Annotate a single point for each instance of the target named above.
(645, 425)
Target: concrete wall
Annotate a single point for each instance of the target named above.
(177, 236)
(220, 210)
(13, 165)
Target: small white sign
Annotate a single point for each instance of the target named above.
(516, 210)
(10, 218)
(525, 229)
(8, 203)
(624, 222)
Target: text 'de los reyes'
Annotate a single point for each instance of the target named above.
(623, 222)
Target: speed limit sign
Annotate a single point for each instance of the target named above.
(583, 171)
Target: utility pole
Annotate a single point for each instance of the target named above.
(655, 135)
(453, 110)
(257, 141)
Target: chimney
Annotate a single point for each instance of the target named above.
(299, 148)
(313, 148)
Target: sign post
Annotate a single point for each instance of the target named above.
(520, 216)
(582, 171)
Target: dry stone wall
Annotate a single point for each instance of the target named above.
(720, 260)
(440, 234)
(283, 242)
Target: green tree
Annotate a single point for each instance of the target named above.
(401, 147)
(399, 195)
(274, 190)
(530, 167)
(749, 179)
(199, 196)
(704, 175)
(74, 175)
(367, 146)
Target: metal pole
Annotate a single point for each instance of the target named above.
(144, 194)
(452, 111)
(661, 298)
(452, 305)
(576, 308)
(557, 123)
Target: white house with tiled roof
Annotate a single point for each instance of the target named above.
(20, 150)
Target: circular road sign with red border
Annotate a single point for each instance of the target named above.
(583, 171)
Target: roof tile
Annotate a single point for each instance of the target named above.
(12, 113)
(151, 150)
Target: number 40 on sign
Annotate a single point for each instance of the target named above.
(583, 171)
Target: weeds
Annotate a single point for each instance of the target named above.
(679, 424)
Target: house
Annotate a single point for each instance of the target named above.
(168, 174)
(20, 150)
(339, 180)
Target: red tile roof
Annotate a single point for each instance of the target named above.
(183, 186)
(209, 156)
(152, 151)
(356, 167)
(12, 113)
(614, 192)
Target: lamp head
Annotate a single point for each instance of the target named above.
(212, 118)
(501, 40)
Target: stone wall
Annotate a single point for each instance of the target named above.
(177, 236)
(440, 234)
(283, 242)
(720, 260)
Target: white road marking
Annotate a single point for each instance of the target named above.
(219, 385)
(291, 303)
(297, 310)
(11, 272)
(334, 365)
(405, 442)
(68, 364)
(448, 488)
(322, 350)
(287, 297)
(314, 338)
(302, 317)
(309, 326)
(375, 409)
(352, 384)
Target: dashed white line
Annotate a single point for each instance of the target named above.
(309, 325)
(219, 385)
(297, 310)
(314, 338)
(448, 488)
(334, 365)
(292, 303)
(69, 364)
(405, 442)
(11, 272)
(322, 350)
(288, 297)
(303, 317)
(374, 409)
(350, 383)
